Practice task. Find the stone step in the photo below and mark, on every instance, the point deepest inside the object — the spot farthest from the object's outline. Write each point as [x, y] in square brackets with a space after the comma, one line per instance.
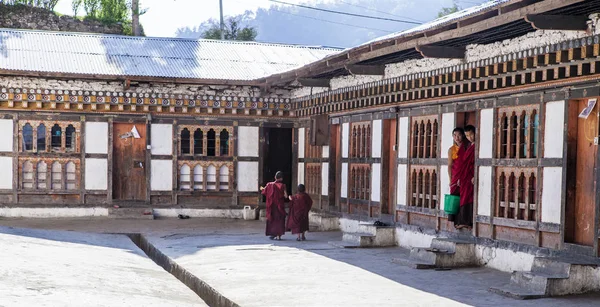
[131, 213]
[430, 256]
[451, 244]
[516, 292]
[537, 282]
[344, 244]
[548, 265]
[360, 239]
[413, 264]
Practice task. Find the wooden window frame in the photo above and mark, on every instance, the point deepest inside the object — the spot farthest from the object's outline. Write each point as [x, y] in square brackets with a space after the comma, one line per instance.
[205, 129]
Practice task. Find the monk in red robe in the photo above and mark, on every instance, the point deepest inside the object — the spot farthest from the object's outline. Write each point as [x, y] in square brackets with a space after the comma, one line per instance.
[276, 194]
[455, 165]
[299, 208]
[464, 218]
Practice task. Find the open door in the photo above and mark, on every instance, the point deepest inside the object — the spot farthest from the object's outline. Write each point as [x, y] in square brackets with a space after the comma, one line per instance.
[278, 156]
[129, 162]
[581, 166]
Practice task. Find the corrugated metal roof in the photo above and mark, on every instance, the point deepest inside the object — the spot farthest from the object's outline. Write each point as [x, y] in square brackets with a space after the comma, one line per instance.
[98, 54]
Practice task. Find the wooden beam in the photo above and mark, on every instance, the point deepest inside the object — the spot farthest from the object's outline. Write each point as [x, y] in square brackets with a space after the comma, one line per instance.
[378, 70]
[442, 52]
[558, 22]
[314, 82]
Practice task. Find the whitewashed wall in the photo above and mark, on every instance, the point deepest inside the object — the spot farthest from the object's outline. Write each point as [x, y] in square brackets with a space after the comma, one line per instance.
[300, 173]
[248, 141]
[484, 190]
[301, 142]
[6, 137]
[403, 135]
[486, 134]
[247, 176]
[554, 133]
[551, 195]
[161, 138]
[344, 186]
[96, 141]
[444, 184]
[325, 178]
[401, 188]
[6, 178]
[345, 139]
[376, 138]
[96, 174]
[325, 152]
[161, 175]
[376, 182]
[448, 122]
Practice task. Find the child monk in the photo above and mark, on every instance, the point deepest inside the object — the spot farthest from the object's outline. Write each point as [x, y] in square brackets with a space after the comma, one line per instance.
[276, 194]
[299, 208]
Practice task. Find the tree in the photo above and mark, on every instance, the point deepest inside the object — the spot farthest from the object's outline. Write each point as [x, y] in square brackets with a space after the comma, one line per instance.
[46, 4]
[236, 28]
[449, 10]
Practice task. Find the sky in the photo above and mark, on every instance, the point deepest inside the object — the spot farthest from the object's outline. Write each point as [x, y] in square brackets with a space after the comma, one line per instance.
[164, 17]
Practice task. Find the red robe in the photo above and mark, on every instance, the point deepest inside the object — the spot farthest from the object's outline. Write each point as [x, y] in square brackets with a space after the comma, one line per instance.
[299, 208]
[274, 191]
[466, 175]
[457, 166]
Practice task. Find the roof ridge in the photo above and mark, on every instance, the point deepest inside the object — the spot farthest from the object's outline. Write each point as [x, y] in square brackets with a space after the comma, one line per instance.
[166, 39]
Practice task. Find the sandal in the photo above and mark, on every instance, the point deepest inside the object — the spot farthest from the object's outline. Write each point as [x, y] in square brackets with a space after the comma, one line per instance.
[298, 239]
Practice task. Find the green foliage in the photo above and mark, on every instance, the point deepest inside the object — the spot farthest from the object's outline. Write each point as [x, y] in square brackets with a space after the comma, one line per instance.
[235, 29]
[107, 11]
[449, 10]
[46, 4]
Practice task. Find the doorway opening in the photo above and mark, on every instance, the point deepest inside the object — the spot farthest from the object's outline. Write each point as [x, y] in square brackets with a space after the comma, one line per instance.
[278, 155]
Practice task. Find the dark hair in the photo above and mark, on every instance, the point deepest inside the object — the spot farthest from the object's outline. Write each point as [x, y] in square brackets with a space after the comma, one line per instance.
[279, 175]
[301, 188]
[459, 130]
[470, 128]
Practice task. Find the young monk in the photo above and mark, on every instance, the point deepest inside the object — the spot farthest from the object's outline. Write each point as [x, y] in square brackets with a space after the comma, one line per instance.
[464, 218]
[299, 207]
[276, 194]
[455, 163]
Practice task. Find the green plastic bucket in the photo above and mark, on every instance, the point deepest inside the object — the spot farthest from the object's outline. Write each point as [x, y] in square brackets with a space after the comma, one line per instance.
[451, 203]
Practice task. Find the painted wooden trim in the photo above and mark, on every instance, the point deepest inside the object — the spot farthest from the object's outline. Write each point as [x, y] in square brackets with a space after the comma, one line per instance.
[110, 166]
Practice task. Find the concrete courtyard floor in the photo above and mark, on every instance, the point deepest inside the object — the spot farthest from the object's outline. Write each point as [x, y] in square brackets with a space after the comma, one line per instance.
[233, 257]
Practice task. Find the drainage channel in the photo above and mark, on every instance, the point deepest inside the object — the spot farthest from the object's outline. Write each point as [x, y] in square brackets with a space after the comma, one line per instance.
[207, 293]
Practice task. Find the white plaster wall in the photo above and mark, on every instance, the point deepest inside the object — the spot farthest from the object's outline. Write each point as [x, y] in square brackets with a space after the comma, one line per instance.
[409, 239]
[417, 66]
[345, 139]
[344, 186]
[403, 135]
[161, 138]
[486, 134]
[503, 259]
[96, 174]
[376, 182]
[447, 127]
[551, 195]
[306, 91]
[345, 81]
[206, 213]
[300, 173]
[247, 176]
[484, 190]
[401, 187]
[96, 140]
[6, 137]
[6, 167]
[161, 175]
[444, 184]
[376, 139]
[325, 179]
[301, 142]
[553, 135]
[325, 153]
[52, 212]
[248, 141]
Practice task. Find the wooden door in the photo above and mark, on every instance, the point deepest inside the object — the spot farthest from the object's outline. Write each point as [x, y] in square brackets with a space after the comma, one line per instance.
[334, 185]
[388, 186]
[129, 162]
[582, 212]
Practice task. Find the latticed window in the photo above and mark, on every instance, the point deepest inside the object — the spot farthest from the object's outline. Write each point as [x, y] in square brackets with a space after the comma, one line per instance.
[56, 179]
[42, 175]
[27, 180]
[41, 137]
[184, 177]
[211, 178]
[518, 133]
[516, 195]
[360, 140]
[224, 178]
[27, 137]
[48, 174]
[424, 137]
[205, 140]
[47, 136]
[198, 142]
[185, 142]
[56, 137]
[70, 138]
[71, 171]
[198, 178]
[360, 181]
[423, 187]
[224, 142]
[312, 178]
[311, 151]
[211, 143]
